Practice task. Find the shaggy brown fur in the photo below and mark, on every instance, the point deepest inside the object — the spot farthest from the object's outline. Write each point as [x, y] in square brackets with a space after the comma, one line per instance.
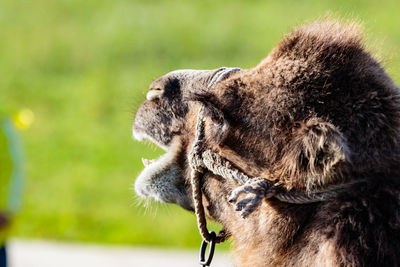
[318, 111]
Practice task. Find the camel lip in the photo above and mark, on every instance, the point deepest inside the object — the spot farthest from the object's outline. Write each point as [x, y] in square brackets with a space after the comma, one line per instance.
[141, 135]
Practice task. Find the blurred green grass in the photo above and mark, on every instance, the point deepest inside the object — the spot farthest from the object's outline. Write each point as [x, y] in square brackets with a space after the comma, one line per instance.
[83, 67]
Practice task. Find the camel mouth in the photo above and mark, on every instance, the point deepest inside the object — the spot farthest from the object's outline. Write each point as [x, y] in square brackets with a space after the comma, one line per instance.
[162, 179]
[157, 163]
[150, 181]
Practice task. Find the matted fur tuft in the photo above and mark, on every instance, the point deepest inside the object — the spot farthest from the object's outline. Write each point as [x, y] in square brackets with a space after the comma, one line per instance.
[312, 156]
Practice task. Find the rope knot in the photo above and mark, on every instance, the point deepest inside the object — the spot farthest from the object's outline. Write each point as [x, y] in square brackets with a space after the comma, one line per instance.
[255, 190]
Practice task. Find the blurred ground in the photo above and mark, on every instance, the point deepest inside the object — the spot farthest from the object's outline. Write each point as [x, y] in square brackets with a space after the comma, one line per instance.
[49, 254]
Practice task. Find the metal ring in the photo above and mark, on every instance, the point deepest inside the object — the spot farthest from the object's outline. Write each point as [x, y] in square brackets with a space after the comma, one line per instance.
[203, 247]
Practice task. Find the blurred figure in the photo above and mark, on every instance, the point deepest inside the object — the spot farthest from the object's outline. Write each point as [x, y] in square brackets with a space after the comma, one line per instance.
[11, 175]
[3, 256]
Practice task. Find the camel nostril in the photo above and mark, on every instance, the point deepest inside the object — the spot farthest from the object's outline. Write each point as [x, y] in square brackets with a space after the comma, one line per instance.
[154, 93]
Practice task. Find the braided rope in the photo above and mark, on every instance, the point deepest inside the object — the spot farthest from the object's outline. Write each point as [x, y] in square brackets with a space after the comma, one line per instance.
[219, 166]
[222, 167]
[195, 179]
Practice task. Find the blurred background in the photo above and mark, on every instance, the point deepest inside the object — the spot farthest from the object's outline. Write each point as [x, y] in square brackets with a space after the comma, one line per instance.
[81, 68]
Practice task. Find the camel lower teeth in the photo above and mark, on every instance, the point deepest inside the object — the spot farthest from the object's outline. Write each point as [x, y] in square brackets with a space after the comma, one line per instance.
[147, 162]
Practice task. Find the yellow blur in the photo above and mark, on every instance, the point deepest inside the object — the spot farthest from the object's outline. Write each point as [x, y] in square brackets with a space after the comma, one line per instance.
[24, 119]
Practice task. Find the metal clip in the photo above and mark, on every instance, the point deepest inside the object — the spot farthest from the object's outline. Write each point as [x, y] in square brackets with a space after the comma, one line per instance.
[203, 247]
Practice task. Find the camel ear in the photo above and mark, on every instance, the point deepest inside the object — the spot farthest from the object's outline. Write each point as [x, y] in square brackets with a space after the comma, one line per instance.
[312, 155]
